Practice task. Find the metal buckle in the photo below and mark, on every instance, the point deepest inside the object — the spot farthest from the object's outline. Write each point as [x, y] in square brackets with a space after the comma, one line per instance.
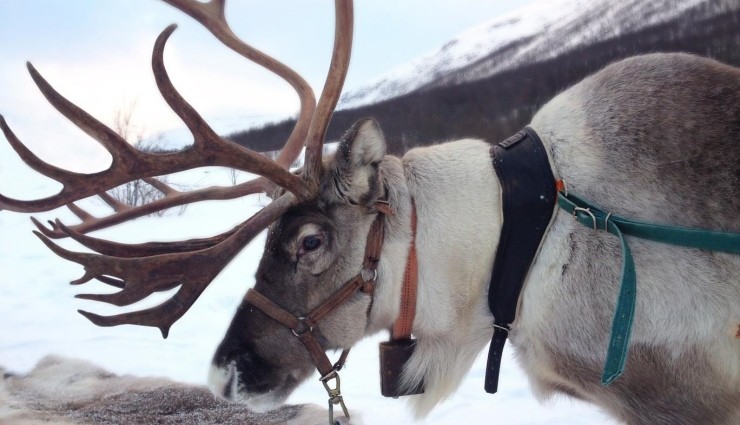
[587, 211]
[384, 207]
[335, 395]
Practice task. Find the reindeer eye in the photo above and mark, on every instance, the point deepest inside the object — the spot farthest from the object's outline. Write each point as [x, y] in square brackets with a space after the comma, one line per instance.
[311, 242]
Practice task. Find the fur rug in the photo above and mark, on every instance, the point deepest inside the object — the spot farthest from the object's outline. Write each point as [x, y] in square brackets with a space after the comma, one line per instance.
[64, 391]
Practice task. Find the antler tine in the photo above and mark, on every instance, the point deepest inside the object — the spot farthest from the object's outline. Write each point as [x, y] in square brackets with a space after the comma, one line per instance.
[332, 90]
[91, 223]
[67, 178]
[140, 277]
[212, 16]
[161, 186]
[108, 199]
[33, 161]
[115, 249]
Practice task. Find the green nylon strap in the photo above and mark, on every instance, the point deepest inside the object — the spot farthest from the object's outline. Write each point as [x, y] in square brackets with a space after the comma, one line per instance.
[592, 216]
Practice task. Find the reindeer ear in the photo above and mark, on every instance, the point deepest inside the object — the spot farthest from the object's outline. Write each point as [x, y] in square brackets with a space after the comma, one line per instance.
[353, 173]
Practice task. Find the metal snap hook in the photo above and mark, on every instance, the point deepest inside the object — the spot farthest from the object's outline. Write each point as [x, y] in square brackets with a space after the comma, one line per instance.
[335, 395]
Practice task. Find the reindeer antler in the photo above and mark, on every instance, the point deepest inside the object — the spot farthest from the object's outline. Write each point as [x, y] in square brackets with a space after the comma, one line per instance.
[129, 163]
[142, 269]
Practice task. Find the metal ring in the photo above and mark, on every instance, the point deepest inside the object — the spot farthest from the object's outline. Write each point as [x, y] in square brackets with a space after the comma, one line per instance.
[499, 327]
[302, 320]
[374, 271]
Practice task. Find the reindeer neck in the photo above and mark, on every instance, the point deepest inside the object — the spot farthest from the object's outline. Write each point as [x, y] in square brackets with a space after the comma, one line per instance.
[395, 247]
[457, 198]
[456, 194]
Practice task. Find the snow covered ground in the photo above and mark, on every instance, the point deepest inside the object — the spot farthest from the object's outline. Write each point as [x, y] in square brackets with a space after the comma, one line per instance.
[37, 317]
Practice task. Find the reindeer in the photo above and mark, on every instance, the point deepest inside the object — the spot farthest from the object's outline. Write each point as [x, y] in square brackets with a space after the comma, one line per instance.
[653, 138]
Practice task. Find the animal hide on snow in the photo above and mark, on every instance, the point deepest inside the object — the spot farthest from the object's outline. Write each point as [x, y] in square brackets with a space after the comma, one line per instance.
[66, 391]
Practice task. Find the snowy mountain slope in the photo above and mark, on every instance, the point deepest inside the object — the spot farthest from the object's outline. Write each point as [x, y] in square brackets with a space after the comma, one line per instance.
[538, 31]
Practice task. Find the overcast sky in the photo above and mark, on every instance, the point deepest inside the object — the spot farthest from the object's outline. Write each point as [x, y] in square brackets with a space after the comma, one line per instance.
[97, 52]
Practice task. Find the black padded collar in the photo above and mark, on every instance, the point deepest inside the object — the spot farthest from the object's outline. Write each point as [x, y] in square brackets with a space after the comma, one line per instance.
[528, 201]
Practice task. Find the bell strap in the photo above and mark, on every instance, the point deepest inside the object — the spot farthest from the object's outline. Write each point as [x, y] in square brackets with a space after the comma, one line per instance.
[403, 325]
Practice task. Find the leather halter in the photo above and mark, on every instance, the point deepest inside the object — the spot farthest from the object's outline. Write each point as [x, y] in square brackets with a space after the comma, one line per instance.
[305, 327]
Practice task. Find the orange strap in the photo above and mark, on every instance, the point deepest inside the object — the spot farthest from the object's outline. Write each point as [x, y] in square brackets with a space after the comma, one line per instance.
[404, 322]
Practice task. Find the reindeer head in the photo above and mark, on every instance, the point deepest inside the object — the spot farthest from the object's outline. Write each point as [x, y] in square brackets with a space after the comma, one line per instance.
[315, 244]
[313, 251]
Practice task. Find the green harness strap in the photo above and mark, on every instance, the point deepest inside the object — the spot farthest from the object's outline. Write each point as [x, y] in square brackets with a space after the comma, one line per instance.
[591, 216]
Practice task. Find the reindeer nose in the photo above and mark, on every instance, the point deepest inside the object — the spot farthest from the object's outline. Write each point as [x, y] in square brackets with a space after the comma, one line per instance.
[222, 380]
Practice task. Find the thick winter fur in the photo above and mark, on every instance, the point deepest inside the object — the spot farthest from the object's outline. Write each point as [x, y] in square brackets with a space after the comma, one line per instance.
[73, 392]
[654, 138]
